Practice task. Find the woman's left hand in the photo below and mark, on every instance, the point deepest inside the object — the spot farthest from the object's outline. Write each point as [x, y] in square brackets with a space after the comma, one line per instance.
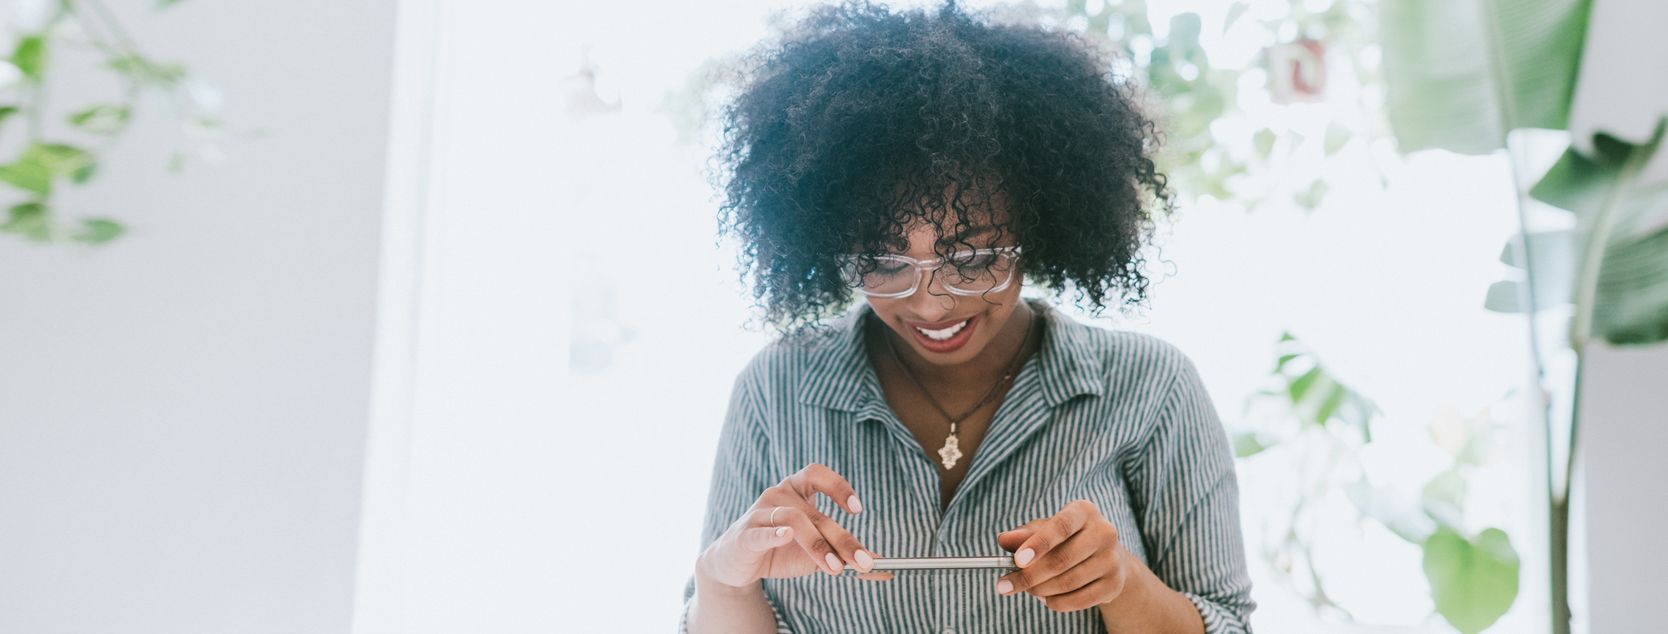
[1071, 561]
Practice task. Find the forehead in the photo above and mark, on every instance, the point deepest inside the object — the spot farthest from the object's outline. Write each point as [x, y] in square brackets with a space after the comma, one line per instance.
[979, 208]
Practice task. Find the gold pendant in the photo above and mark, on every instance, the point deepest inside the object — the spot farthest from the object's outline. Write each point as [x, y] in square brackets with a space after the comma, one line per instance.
[951, 452]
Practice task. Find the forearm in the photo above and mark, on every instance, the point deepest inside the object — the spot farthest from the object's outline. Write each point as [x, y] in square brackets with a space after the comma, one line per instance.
[724, 608]
[1148, 605]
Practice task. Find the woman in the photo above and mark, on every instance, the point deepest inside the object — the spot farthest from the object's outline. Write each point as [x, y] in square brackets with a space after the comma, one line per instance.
[931, 163]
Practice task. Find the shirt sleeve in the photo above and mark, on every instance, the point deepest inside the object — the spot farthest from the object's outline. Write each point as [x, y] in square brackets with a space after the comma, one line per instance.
[1186, 501]
[739, 474]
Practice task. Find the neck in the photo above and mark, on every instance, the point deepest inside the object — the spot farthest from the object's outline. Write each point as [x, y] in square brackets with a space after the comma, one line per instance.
[990, 363]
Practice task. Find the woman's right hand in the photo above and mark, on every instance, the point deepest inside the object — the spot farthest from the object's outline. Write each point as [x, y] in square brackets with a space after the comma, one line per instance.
[800, 541]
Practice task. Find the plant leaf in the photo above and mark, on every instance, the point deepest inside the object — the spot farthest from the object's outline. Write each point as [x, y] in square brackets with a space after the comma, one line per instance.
[1263, 142]
[1336, 137]
[28, 175]
[30, 56]
[145, 71]
[1616, 263]
[97, 231]
[102, 119]
[1460, 74]
[1311, 198]
[29, 220]
[1631, 302]
[1235, 11]
[42, 163]
[1553, 255]
[1247, 444]
[1473, 581]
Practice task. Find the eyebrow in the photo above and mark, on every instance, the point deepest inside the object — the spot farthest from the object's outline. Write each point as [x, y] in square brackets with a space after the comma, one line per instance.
[978, 231]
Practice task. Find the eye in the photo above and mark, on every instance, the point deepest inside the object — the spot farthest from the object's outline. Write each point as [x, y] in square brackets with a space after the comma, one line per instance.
[882, 265]
[972, 259]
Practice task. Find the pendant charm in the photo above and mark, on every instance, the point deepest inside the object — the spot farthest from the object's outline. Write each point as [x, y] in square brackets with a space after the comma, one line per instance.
[951, 452]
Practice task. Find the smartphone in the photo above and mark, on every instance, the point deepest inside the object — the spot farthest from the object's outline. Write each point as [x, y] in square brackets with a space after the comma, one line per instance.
[1005, 562]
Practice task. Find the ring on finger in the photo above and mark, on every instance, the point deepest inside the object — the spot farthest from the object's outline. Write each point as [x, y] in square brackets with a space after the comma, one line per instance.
[773, 515]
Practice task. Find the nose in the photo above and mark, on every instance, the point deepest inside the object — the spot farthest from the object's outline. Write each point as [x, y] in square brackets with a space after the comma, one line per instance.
[932, 303]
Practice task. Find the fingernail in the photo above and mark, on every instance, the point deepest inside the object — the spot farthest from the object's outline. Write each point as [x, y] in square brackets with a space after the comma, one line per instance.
[1004, 587]
[781, 531]
[864, 561]
[856, 507]
[1024, 557]
[834, 562]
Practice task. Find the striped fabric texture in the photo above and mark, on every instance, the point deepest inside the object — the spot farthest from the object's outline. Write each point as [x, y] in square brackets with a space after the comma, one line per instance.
[1121, 419]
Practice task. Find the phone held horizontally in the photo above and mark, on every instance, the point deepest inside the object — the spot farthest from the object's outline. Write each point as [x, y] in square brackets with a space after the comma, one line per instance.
[939, 563]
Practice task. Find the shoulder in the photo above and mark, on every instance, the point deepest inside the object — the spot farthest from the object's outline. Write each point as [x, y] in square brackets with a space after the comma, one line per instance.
[780, 366]
[1126, 360]
[781, 360]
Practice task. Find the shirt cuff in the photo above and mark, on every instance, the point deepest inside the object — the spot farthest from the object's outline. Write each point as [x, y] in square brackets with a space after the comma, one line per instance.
[1219, 619]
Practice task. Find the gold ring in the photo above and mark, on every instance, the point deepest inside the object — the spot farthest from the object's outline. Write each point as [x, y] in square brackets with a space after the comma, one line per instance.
[773, 515]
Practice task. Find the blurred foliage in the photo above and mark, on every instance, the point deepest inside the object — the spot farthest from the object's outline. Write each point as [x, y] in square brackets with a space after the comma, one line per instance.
[1211, 144]
[1612, 263]
[1462, 76]
[1323, 425]
[61, 147]
[1473, 580]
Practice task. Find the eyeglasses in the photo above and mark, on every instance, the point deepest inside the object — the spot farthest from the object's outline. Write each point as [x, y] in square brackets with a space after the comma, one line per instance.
[972, 272]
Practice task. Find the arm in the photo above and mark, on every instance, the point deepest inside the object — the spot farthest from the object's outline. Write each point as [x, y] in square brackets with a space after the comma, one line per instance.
[1186, 501]
[744, 541]
[1148, 605]
[739, 475]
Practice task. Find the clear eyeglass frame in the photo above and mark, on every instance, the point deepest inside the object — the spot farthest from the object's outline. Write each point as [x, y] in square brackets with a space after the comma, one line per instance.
[922, 268]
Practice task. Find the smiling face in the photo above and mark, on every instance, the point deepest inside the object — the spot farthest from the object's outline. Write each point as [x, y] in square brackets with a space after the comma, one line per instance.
[945, 329]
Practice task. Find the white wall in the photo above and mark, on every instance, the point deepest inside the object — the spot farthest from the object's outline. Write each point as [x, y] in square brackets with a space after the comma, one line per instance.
[1624, 429]
[182, 413]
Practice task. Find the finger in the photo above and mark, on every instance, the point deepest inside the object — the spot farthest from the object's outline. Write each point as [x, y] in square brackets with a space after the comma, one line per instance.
[825, 540]
[845, 546]
[1080, 548]
[763, 538]
[816, 478]
[1010, 540]
[810, 540]
[1099, 564]
[1101, 591]
[876, 576]
[1054, 531]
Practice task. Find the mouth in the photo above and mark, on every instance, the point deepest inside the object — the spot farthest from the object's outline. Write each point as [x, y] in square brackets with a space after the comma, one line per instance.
[944, 336]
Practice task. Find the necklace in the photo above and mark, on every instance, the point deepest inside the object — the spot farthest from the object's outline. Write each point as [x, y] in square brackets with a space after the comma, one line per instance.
[951, 451]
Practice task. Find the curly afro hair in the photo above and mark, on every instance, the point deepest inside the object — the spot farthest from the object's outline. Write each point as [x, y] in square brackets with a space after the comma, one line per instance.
[860, 121]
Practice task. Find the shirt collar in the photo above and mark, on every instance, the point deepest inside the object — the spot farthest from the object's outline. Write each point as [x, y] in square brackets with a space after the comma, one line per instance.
[840, 376]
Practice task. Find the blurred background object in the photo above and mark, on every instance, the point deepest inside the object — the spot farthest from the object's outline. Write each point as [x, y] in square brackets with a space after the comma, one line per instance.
[414, 361]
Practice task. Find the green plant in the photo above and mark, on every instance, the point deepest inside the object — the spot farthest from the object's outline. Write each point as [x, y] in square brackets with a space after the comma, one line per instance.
[1213, 143]
[1462, 76]
[63, 146]
[1324, 425]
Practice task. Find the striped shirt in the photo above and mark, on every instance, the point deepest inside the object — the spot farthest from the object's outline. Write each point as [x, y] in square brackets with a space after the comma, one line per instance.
[1119, 418]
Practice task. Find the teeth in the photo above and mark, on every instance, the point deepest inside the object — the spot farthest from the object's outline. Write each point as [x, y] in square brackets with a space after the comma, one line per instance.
[941, 335]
